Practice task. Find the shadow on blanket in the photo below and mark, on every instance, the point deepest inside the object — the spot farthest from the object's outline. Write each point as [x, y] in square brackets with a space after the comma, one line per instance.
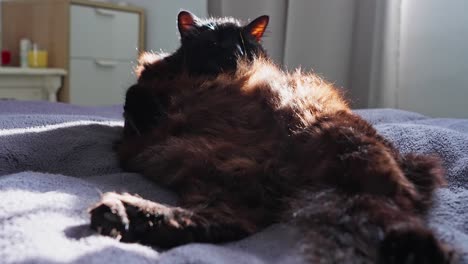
[80, 150]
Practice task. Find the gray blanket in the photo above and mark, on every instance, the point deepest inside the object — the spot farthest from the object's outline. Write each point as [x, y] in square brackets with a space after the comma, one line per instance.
[56, 159]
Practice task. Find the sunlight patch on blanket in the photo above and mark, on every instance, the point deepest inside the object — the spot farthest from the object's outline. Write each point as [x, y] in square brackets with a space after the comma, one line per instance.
[39, 129]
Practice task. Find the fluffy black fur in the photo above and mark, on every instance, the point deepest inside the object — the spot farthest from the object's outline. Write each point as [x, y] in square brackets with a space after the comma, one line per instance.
[245, 145]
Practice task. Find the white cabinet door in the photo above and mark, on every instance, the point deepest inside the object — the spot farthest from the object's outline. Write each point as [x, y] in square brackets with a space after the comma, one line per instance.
[103, 33]
[99, 81]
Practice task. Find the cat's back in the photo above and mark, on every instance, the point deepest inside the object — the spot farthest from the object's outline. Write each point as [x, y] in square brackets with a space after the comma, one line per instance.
[256, 94]
[255, 111]
[297, 98]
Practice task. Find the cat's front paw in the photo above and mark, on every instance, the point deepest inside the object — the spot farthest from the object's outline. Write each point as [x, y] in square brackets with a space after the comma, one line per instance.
[110, 217]
[409, 244]
[130, 218]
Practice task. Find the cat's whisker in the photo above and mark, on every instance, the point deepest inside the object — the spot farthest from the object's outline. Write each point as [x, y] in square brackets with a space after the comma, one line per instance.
[243, 44]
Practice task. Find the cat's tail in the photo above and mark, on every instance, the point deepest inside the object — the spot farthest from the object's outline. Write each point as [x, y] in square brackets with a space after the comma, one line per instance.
[426, 173]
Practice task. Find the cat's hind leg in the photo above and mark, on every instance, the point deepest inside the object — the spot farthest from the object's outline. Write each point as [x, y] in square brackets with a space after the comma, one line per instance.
[413, 243]
[353, 159]
[339, 227]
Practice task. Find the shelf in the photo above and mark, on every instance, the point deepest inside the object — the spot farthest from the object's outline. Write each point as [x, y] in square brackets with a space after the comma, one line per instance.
[32, 71]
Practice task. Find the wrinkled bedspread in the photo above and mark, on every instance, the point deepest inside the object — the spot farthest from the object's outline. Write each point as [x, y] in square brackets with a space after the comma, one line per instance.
[56, 159]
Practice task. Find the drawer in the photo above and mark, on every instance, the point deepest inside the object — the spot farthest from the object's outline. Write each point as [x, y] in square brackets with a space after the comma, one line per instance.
[99, 82]
[103, 33]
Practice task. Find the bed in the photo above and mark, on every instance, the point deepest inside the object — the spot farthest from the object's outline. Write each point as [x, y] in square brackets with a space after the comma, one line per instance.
[56, 159]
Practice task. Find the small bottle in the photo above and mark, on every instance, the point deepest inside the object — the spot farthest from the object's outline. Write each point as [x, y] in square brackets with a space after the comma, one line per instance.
[6, 58]
[37, 58]
[25, 46]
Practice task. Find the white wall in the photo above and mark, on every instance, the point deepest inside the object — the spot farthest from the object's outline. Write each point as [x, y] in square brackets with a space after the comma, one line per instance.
[161, 20]
[319, 37]
[433, 72]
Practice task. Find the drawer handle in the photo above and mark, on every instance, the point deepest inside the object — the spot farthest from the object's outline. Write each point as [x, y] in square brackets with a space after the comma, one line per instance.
[104, 12]
[105, 63]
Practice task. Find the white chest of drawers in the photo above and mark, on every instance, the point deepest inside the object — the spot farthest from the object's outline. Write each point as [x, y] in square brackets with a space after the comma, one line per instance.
[96, 43]
[103, 46]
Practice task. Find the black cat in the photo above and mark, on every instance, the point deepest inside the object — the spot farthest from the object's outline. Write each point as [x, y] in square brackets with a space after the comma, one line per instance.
[245, 145]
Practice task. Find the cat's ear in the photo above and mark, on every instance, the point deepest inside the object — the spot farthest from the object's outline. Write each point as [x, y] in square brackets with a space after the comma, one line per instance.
[257, 27]
[186, 22]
